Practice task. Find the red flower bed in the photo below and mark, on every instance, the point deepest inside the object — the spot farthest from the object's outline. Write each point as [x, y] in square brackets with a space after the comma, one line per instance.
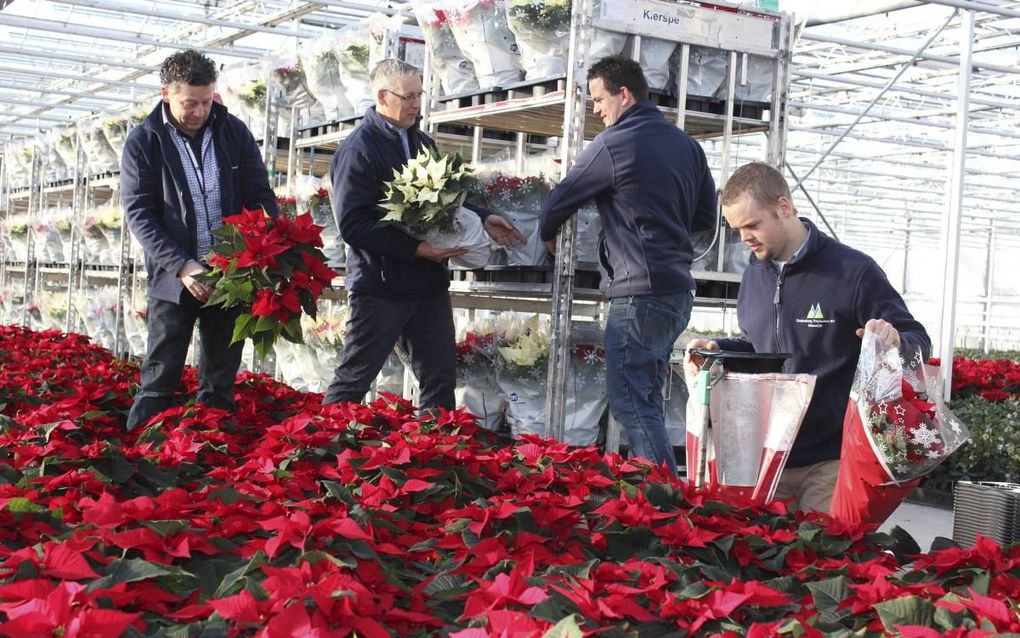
[991, 379]
[289, 519]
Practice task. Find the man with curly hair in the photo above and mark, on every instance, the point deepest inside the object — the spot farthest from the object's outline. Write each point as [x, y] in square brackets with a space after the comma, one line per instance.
[188, 165]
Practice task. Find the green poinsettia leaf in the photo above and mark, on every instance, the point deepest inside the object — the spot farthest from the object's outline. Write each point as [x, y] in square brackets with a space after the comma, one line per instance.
[132, 570]
[241, 328]
[828, 594]
[449, 586]
[292, 331]
[262, 324]
[231, 582]
[566, 628]
[307, 303]
[22, 505]
[906, 610]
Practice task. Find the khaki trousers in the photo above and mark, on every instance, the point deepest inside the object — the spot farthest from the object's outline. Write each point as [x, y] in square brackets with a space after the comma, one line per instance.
[810, 486]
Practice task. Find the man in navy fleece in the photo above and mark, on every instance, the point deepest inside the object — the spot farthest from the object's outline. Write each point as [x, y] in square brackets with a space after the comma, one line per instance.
[806, 294]
[653, 188]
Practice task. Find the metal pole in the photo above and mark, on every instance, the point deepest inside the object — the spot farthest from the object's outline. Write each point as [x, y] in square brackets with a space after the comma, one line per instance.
[574, 113]
[811, 200]
[727, 142]
[430, 90]
[952, 224]
[989, 285]
[878, 97]
[681, 85]
[778, 121]
[31, 280]
[906, 253]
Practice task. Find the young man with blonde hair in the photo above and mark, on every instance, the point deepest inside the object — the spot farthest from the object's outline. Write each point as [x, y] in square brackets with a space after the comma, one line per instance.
[806, 294]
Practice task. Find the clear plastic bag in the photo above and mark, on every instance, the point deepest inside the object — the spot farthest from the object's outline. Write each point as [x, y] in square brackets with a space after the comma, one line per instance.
[244, 93]
[321, 63]
[65, 143]
[97, 309]
[99, 154]
[353, 52]
[16, 228]
[48, 246]
[897, 429]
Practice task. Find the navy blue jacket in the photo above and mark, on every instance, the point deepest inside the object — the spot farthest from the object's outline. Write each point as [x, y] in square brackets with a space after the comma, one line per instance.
[812, 311]
[380, 259]
[653, 188]
[158, 204]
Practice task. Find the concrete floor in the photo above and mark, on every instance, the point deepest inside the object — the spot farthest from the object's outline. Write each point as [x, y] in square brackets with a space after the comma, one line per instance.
[923, 522]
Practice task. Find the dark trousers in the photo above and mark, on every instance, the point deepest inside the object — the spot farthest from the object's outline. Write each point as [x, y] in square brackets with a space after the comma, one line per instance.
[424, 328]
[170, 328]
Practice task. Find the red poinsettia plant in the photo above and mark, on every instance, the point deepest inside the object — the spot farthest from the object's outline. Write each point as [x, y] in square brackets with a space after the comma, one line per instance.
[369, 520]
[271, 267]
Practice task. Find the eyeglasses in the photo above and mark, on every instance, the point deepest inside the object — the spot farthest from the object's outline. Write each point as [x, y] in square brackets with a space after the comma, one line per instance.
[407, 98]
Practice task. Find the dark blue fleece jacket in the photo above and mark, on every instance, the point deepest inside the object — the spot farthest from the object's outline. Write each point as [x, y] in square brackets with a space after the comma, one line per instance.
[812, 310]
[158, 205]
[653, 188]
[380, 259]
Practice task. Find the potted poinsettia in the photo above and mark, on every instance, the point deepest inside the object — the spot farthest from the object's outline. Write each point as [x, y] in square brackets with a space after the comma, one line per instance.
[519, 199]
[521, 372]
[425, 198]
[542, 29]
[321, 64]
[100, 155]
[352, 54]
[273, 269]
[477, 389]
[17, 237]
[455, 71]
[481, 31]
[117, 127]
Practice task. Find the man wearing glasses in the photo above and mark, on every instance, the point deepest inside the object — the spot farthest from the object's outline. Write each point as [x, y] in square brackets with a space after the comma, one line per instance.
[397, 285]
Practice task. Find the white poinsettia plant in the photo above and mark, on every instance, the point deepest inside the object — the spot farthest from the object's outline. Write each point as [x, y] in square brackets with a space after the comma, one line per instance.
[530, 349]
[426, 194]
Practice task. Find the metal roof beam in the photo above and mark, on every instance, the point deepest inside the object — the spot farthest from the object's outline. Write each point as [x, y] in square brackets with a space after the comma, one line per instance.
[150, 11]
[886, 117]
[79, 77]
[984, 7]
[69, 57]
[340, 4]
[36, 104]
[907, 53]
[860, 82]
[111, 98]
[942, 148]
[118, 36]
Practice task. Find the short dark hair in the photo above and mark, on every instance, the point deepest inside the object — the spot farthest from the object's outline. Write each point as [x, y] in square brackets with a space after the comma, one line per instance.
[188, 67]
[763, 182]
[617, 72]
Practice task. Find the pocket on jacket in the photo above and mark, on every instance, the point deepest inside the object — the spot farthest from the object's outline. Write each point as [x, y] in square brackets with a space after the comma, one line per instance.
[604, 258]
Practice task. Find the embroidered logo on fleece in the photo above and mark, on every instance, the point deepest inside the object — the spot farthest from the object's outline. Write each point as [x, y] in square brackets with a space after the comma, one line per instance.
[815, 318]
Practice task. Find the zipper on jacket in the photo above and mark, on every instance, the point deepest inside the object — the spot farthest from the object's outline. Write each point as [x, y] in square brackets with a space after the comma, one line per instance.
[776, 301]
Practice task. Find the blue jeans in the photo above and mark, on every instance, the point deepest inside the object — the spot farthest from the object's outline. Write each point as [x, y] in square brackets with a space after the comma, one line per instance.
[640, 333]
